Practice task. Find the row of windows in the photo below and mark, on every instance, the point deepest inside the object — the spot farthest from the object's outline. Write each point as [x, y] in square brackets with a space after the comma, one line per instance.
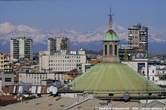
[143, 32]
[62, 68]
[39, 78]
[35, 77]
[133, 32]
[8, 79]
[36, 82]
[162, 77]
[67, 57]
[63, 61]
[162, 72]
[67, 64]
[138, 32]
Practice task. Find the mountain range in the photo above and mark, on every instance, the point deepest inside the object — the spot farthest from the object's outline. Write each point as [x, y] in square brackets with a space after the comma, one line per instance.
[90, 40]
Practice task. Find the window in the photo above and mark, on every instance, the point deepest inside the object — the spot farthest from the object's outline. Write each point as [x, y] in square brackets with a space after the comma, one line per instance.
[153, 71]
[115, 49]
[8, 79]
[110, 49]
[105, 49]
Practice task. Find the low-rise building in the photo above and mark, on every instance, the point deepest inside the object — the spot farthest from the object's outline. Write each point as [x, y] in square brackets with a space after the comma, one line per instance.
[43, 61]
[62, 62]
[6, 71]
[1, 61]
[152, 73]
[31, 78]
[126, 53]
[157, 74]
[34, 78]
[29, 75]
[161, 73]
[7, 64]
[6, 78]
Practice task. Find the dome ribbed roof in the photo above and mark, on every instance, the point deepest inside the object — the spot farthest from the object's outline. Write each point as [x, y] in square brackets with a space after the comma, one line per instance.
[113, 78]
[111, 36]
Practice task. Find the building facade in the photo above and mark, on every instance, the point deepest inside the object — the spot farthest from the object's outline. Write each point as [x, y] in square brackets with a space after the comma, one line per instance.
[58, 44]
[5, 64]
[37, 78]
[138, 40]
[1, 61]
[51, 45]
[6, 71]
[157, 74]
[44, 61]
[62, 62]
[62, 43]
[31, 78]
[6, 78]
[20, 47]
[125, 53]
[28, 76]
[66, 62]
[161, 74]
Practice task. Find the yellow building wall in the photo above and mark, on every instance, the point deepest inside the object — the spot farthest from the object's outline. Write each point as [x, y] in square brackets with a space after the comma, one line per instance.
[1, 61]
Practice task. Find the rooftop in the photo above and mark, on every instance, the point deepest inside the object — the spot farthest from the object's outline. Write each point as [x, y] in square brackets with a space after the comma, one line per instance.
[56, 103]
[113, 78]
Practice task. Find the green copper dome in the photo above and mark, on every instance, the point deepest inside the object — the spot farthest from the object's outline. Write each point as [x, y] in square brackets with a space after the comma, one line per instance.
[111, 36]
[113, 78]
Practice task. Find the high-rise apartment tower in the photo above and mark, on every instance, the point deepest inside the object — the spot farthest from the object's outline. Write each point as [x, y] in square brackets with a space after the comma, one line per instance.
[138, 40]
[20, 47]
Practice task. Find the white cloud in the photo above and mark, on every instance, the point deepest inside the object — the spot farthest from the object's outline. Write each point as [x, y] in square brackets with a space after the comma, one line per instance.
[8, 30]
[24, 28]
[95, 35]
[158, 38]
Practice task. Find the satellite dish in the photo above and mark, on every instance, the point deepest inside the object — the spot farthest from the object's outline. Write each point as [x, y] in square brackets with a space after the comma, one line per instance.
[53, 90]
[50, 89]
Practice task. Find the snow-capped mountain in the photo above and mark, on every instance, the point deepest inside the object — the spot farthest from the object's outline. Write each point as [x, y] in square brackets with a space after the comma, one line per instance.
[89, 40]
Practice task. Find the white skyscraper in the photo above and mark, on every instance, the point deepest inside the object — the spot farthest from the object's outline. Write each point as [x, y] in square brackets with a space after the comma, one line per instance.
[20, 47]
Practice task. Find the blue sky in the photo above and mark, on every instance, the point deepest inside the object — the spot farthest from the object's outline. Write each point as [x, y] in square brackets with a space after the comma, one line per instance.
[83, 14]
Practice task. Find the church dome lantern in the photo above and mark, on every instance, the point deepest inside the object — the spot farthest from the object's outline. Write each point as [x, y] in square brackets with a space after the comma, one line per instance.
[110, 44]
